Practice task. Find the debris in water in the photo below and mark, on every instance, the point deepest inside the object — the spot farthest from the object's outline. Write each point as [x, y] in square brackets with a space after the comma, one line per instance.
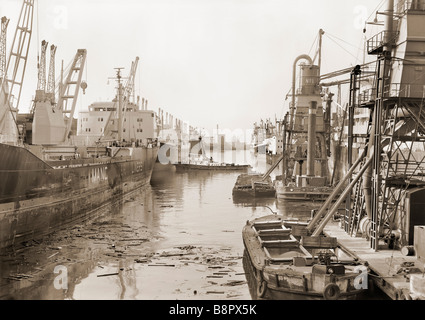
[52, 255]
[234, 283]
[141, 260]
[108, 274]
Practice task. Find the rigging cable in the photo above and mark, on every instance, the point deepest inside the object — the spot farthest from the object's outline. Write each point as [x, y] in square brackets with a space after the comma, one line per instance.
[357, 59]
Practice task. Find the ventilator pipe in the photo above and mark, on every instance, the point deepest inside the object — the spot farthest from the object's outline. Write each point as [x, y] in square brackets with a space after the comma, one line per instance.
[367, 178]
[311, 138]
[389, 24]
[294, 71]
[324, 167]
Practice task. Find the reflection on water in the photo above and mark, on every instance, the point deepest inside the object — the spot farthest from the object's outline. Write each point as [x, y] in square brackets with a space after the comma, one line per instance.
[180, 238]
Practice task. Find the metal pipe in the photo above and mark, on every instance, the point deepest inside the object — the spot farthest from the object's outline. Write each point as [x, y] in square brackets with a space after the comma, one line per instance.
[292, 108]
[367, 179]
[389, 24]
[120, 112]
[311, 138]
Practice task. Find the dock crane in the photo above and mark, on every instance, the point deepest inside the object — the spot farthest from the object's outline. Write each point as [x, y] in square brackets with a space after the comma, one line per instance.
[14, 73]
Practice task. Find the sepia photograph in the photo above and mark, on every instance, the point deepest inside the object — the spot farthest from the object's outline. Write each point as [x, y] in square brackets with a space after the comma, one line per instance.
[214, 155]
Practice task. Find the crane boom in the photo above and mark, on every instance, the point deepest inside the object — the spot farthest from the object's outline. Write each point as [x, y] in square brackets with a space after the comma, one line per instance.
[19, 52]
[69, 89]
[41, 84]
[3, 34]
[128, 91]
[14, 73]
[51, 80]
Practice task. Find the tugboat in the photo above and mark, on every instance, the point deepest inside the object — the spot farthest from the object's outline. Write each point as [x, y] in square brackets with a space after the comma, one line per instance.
[198, 160]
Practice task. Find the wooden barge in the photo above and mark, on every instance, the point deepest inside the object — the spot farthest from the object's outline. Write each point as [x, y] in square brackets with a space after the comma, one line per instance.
[253, 185]
[287, 266]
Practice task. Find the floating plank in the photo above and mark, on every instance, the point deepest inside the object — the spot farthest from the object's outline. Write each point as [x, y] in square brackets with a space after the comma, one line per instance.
[108, 274]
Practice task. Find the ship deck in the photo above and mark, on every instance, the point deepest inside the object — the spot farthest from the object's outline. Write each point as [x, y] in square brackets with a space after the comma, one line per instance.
[386, 265]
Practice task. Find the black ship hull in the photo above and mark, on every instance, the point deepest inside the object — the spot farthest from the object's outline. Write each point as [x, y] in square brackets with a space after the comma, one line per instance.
[39, 197]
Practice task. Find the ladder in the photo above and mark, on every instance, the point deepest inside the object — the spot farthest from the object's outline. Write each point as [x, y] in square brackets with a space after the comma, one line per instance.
[359, 198]
[358, 209]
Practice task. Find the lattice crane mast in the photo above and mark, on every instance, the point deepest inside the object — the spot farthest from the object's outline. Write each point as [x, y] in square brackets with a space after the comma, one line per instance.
[41, 84]
[15, 72]
[3, 34]
[128, 91]
[51, 79]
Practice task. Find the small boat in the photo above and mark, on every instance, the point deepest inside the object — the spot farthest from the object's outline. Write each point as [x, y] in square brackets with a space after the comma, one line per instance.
[254, 185]
[200, 161]
[282, 264]
[210, 165]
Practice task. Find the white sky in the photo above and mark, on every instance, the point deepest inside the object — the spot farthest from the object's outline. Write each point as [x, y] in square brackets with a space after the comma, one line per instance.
[207, 62]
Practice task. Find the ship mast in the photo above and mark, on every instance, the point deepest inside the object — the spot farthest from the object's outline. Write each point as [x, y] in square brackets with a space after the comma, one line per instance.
[120, 111]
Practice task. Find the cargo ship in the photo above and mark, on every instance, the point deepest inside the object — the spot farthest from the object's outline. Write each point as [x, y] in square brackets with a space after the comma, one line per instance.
[53, 178]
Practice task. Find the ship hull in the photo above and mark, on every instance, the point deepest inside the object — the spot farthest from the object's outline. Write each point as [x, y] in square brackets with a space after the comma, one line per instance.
[38, 198]
[227, 167]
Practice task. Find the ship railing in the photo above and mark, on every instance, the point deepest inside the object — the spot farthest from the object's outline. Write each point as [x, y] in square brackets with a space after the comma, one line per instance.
[378, 41]
[367, 96]
[402, 7]
[394, 90]
[403, 90]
